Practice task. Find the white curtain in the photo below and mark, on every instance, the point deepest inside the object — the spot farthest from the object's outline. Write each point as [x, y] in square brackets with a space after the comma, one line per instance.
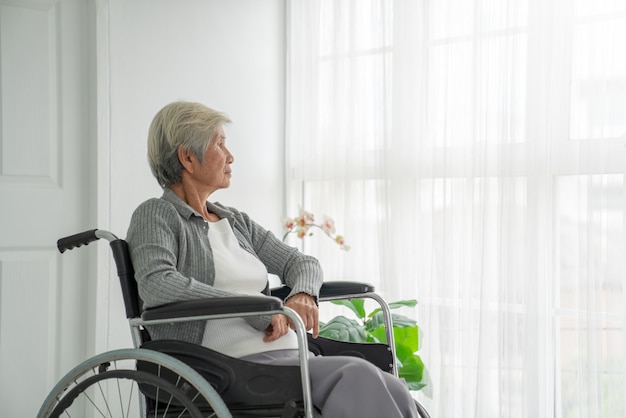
[473, 154]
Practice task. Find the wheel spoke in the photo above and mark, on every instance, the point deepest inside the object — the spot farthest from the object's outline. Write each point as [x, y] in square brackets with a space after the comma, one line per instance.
[104, 399]
[130, 397]
[92, 402]
[119, 394]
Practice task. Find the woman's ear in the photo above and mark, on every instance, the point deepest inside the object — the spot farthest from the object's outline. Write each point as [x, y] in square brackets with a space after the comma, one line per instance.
[185, 157]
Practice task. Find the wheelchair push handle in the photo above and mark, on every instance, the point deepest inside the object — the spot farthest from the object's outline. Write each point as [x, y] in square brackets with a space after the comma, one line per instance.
[83, 238]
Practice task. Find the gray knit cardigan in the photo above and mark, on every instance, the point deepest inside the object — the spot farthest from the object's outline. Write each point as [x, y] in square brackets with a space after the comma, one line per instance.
[173, 261]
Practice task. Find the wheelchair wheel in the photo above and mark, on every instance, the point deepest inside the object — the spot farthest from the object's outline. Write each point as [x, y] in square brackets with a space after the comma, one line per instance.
[110, 385]
[421, 411]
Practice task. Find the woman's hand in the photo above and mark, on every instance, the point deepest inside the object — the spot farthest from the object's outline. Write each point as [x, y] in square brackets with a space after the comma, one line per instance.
[278, 328]
[306, 307]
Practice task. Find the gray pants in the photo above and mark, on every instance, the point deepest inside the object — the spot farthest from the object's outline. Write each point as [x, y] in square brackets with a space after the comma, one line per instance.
[349, 387]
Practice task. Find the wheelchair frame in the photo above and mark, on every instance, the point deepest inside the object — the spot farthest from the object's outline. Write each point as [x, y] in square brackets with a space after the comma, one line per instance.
[198, 310]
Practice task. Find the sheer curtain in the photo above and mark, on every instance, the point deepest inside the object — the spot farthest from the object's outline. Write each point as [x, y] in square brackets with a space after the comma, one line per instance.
[473, 154]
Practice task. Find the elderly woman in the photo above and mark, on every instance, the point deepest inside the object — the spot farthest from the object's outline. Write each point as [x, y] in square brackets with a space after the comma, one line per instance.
[185, 247]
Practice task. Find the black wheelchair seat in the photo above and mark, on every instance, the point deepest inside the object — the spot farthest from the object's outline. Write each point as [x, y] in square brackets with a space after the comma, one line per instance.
[238, 382]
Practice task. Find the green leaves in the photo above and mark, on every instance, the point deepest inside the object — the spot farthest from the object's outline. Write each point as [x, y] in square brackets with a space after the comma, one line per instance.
[394, 305]
[355, 305]
[371, 328]
[343, 329]
[412, 371]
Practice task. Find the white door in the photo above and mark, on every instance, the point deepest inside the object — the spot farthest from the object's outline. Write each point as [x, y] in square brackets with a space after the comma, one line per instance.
[46, 168]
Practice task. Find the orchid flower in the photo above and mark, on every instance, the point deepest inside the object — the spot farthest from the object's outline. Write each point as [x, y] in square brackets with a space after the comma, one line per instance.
[301, 225]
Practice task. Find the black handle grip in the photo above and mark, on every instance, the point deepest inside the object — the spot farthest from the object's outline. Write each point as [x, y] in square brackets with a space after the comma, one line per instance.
[76, 240]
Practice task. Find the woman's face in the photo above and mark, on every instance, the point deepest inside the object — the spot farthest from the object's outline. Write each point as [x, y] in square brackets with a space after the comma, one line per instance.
[215, 172]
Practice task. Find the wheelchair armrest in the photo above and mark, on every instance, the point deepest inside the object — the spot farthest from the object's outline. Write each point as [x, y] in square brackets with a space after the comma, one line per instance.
[213, 306]
[331, 289]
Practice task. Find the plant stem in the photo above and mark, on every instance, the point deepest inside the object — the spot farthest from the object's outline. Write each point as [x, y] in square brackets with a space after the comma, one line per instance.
[315, 225]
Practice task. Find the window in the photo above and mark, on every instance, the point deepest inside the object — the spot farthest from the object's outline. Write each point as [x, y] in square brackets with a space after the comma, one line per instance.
[473, 153]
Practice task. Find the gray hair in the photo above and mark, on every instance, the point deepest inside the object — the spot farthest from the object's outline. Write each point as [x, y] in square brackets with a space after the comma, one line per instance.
[180, 124]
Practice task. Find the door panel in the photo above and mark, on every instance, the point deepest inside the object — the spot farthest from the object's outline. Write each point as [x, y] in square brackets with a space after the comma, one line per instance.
[44, 193]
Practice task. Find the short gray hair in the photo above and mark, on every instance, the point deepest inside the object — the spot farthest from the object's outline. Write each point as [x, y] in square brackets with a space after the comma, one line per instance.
[187, 124]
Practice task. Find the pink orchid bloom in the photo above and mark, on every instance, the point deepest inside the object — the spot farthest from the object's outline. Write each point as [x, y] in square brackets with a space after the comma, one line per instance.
[307, 217]
[328, 225]
[301, 221]
[288, 223]
[342, 244]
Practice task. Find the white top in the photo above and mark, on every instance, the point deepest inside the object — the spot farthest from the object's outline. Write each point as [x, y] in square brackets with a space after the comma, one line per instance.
[238, 270]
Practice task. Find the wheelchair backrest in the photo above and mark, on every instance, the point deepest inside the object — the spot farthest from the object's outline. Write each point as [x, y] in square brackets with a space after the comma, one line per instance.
[126, 274]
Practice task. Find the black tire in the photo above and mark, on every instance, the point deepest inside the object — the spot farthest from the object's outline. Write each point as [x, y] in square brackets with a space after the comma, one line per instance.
[109, 406]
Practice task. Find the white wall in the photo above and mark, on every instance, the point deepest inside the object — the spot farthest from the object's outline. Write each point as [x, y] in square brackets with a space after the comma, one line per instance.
[228, 54]
[224, 53]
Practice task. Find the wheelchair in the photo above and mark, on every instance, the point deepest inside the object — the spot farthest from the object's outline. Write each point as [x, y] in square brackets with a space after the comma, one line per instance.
[168, 378]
